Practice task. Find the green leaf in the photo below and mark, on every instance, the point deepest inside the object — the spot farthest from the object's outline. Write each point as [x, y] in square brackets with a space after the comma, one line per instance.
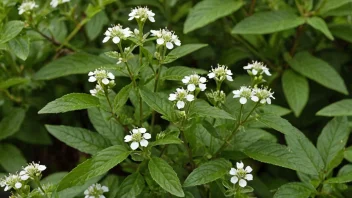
[181, 51]
[165, 176]
[11, 158]
[340, 11]
[20, 47]
[340, 108]
[12, 82]
[177, 73]
[79, 63]
[345, 178]
[122, 97]
[275, 109]
[168, 139]
[267, 22]
[81, 139]
[319, 71]
[208, 172]
[332, 4]
[319, 24]
[204, 109]
[208, 11]
[348, 154]
[95, 25]
[11, 123]
[99, 164]
[342, 31]
[294, 190]
[132, 186]
[296, 90]
[332, 139]
[70, 102]
[11, 30]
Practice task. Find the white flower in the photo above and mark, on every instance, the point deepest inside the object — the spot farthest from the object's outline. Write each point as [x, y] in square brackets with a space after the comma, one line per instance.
[103, 79]
[141, 14]
[257, 68]
[220, 73]
[26, 7]
[11, 181]
[243, 93]
[241, 174]
[32, 170]
[117, 33]
[193, 81]
[96, 191]
[263, 95]
[166, 37]
[98, 89]
[138, 137]
[181, 96]
[55, 3]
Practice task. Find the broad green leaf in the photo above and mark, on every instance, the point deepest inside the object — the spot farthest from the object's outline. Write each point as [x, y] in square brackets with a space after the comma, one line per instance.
[332, 139]
[279, 155]
[345, 178]
[331, 4]
[53, 178]
[319, 71]
[122, 97]
[11, 158]
[348, 154]
[106, 125]
[294, 190]
[70, 102]
[245, 138]
[208, 172]
[11, 123]
[165, 176]
[208, 11]
[177, 73]
[267, 22]
[75, 191]
[33, 132]
[81, 139]
[92, 10]
[342, 31]
[296, 90]
[319, 24]
[20, 47]
[95, 25]
[79, 63]
[99, 164]
[113, 182]
[11, 30]
[181, 51]
[168, 139]
[340, 11]
[12, 82]
[132, 186]
[340, 108]
[275, 109]
[204, 109]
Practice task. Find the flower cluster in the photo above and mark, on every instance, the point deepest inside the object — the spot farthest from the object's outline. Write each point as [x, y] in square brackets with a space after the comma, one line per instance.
[55, 3]
[257, 68]
[26, 6]
[193, 81]
[11, 181]
[181, 96]
[104, 79]
[117, 33]
[96, 191]
[244, 93]
[220, 73]
[241, 175]
[166, 37]
[32, 171]
[139, 137]
[141, 14]
[263, 95]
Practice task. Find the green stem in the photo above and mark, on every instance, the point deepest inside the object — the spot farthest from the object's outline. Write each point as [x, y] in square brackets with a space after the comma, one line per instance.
[73, 33]
[40, 187]
[190, 156]
[111, 107]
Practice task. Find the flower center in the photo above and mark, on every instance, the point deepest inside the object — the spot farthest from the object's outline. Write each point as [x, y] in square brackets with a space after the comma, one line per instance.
[137, 137]
[241, 173]
[194, 79]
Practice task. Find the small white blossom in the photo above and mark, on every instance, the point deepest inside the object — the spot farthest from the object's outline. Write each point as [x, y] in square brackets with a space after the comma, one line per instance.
[181, 96]
[32, 171]
[117, 33]
[243, 93]
[257, 68]
[142, 14]
[138, 137]
[26, 6]
[193, 81]
[240, 175]
[55, 3]
[11, 181]
[96, 191]
[263, 95]
[166, 37]
[220, 73]
[98, 89]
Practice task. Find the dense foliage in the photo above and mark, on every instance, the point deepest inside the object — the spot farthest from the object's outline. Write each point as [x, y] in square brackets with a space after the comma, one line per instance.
[211, 98]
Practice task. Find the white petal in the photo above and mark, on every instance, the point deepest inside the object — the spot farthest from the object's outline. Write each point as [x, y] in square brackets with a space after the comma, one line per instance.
[190, 97]
[248, 67]
[180, 104]
[172, 97]
[18, 185]
[101, 196]
[142, 130]
[249, 177]
[160, 41]
[242, 183]
[202, 80]
[92, 79]
[191, 87]
[234, 180]
[128, 138]
[229, 78]
[144, 143]
[111, 76]
[86, 192]
[23, 173]
[233, 171]
[169, 45]
[42, 167]
[151, 19]
[134, 145]
[239, 165]
[263, 101]
[105, 81]
[177, 42]
[255, 98]
[24, 177]
[243, 100]
[248, 169]
[7, 188]
[268, 100]
[147, 136]
[211, 75]
[236, 92]
[106, 39]
[116, 40]
[105, 189]
[186, 79]
[130, 18]
[90, 73]
[135, 131]
[254, 72]
[266, 71]
[202, 87]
